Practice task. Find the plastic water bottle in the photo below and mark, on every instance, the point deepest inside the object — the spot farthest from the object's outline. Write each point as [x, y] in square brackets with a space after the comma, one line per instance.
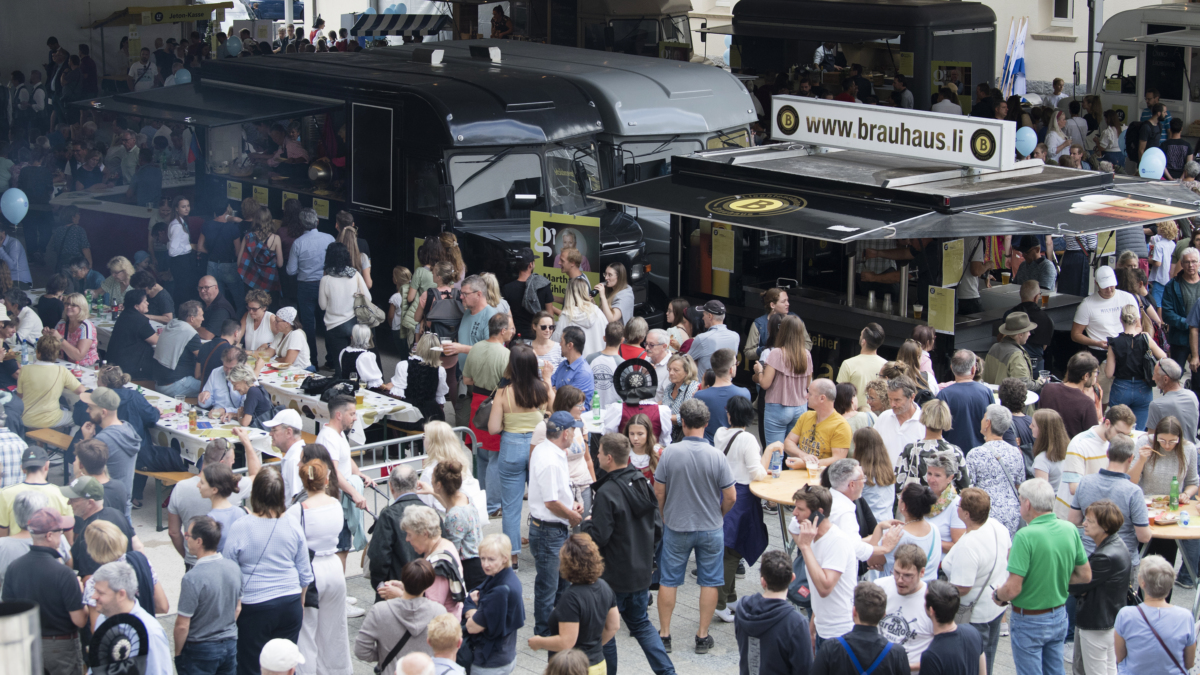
[596, 408]
[776, 464]
[1185, 519]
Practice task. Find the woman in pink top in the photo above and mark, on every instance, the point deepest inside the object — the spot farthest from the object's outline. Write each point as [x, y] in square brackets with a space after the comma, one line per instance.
[77, 331]
[423, 530]
[784, 376]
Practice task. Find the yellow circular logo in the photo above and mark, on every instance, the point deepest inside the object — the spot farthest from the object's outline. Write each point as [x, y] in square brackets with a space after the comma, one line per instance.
[787, 120]
[983, 145]
[743, 206]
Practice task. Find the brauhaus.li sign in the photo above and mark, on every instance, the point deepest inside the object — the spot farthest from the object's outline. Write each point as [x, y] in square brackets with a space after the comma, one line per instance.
[954, 139]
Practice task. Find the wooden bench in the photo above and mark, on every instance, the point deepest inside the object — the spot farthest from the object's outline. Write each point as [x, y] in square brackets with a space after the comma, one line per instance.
[163, 479]
[53, 440]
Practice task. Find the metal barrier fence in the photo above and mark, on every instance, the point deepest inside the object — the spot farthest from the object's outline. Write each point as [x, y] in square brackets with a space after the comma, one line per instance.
[380, 460]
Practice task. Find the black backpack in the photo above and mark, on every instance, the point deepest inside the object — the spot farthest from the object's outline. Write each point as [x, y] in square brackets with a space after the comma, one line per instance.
[443, 313]
[1133, 133]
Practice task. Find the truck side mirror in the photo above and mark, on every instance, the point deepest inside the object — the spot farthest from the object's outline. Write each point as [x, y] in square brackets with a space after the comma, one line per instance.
[445, 202]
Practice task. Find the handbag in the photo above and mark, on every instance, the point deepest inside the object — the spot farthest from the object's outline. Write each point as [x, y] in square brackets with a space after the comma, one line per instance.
[1160, 641]
[483, 413]
[964, 609]
[1147, 362]
[310, 598]
[382, 665]
[367, 312]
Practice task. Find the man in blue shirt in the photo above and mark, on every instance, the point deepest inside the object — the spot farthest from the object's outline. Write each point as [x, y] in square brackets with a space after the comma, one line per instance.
[717, 396]
[574, 370]
[307, 263]
[13, 253]
[715, 336]
[472, 329]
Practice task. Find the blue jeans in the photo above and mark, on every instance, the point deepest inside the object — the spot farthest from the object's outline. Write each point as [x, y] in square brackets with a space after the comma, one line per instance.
[632, 607]
[1134, 393]
[208, 658]
[229, 282]
[488, 467]
[545, 541]
[778, 420]
[513, 472]
[1156, 292]
[1037, 642]
[306, 307]
[709, 546]
[185, 387]
[990, 632]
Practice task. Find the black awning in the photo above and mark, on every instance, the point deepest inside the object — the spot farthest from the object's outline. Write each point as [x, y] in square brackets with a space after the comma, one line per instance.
[410, 25]
[839, 218]
[789, 31]
[209, 104]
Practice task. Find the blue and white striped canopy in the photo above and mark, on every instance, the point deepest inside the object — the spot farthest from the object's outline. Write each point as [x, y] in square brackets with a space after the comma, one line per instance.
[414, 25]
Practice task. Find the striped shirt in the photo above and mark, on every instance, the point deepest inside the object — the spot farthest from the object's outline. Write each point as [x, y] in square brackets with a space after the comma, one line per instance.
[1086, 455]
[1072, 242]
[273, 555]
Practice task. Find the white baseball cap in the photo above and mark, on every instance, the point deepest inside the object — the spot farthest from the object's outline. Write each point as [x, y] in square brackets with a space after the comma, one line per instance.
[280, 655]
[289, 417]
[1105, 277]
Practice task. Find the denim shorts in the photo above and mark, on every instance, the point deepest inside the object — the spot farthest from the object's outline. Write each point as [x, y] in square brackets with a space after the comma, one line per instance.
[677, 548]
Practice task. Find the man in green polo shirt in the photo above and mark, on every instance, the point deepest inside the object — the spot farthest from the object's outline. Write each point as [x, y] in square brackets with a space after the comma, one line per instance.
[1046, 556]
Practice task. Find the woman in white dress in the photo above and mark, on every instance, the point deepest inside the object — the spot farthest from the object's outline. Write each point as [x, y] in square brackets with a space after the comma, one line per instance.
[258, 325]
[324, 640]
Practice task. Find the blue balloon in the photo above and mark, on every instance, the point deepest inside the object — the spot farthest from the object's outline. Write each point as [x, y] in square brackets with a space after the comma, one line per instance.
[1026, 141]
[233, 45]
[184, 76]
[1153, 163]
[728, 40]
[402, 8]
[369, 10]
[1121, 138]
[14, 205]
[725, 57]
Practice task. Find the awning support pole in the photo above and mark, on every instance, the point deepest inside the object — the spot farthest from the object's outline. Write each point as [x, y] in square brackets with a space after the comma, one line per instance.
[850, 274]
[904, 290]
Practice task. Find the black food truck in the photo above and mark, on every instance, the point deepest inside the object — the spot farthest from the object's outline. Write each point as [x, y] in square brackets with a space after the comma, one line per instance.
[844, 178]
[419, 139]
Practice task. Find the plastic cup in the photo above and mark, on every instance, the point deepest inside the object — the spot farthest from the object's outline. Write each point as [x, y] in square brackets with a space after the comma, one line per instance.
[813, 466]
[918, 310]
[1044, 374]
[358, 397]
[1045, 300]
[1005, 277]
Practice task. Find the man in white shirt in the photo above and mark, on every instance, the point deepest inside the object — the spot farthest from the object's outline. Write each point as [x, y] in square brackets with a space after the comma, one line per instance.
[342, 415]
[829, 559]
[967, 293]
[658, 351]
[142, 74]
[900, 424]
[552, 512]
[284, 430]
[847, 478]
[906, 622]
[604, 363]
[1098, 317]
[947, 102]
[115, 593]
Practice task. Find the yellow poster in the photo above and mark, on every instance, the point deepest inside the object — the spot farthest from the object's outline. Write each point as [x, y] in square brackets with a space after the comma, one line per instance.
[551, 235]
[261, 195]
[289, 195]
[952, 262]
[233, 190]
[135, 43]
[1107, 242]
[1122, 113]
[906, 64]
[321, 206]
[941, 309]
[722, 245]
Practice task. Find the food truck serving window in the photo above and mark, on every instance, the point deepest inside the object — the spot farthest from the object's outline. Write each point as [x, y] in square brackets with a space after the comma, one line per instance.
[498, 186]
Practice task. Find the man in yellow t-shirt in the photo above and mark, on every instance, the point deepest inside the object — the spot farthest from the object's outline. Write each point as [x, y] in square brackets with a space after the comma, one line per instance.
[860, 370]
[36, 465]
[821, 433]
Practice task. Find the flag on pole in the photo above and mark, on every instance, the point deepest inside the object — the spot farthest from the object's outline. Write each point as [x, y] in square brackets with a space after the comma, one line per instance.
[1018, 69]
[1007, 55]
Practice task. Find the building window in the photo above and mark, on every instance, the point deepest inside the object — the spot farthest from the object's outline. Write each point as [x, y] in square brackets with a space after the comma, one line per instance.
[1064, 12]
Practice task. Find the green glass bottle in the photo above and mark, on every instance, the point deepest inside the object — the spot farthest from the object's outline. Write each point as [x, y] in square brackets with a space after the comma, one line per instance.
[1174, 493]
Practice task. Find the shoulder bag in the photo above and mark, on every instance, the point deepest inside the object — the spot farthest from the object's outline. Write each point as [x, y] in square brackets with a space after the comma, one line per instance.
[367, 312]
[963, 616]
[310, 598]
[731, 440]
[1160, 641]
[391, 656]
[1147, 361]
[1012, 485]
[484, 412]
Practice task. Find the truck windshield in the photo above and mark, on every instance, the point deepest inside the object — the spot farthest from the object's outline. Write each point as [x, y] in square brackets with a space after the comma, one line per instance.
[566, 167]
[497, 186]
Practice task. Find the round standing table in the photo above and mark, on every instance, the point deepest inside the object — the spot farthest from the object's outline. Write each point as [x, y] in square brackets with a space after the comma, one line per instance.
[780, 491]
[1175, 533]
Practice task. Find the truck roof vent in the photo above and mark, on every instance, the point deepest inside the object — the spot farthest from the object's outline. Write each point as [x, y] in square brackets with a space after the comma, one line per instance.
[529, 106]
[489, 53]
[426, 55]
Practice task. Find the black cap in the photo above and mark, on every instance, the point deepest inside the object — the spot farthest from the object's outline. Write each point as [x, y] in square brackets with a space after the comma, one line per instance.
[1026, 242]
[525, 256]
[714, 307]
[34, 457]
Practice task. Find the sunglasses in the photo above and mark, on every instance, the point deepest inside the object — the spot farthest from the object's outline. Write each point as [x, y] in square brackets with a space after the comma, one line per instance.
[549, 327]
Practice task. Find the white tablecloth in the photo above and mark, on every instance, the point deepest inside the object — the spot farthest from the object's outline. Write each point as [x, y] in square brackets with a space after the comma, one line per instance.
[284, 387]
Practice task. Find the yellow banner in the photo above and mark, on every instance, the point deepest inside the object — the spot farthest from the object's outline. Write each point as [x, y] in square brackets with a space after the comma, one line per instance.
[552, 233]
[233, 190]
[289, 195]
[952, 262]
[153, 15]
[941, 309]
[321, 206]
[261, 195]
[906, 63]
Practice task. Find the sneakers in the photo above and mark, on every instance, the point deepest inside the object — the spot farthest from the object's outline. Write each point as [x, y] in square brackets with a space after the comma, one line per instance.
[1003, 629]
[1185, 584]
[350, 600]
[666, 643]
[1069, 652]
[770, 508]
[498, 513]
[703, 644]
[352, 611]
[725, 615]
[741, 570]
